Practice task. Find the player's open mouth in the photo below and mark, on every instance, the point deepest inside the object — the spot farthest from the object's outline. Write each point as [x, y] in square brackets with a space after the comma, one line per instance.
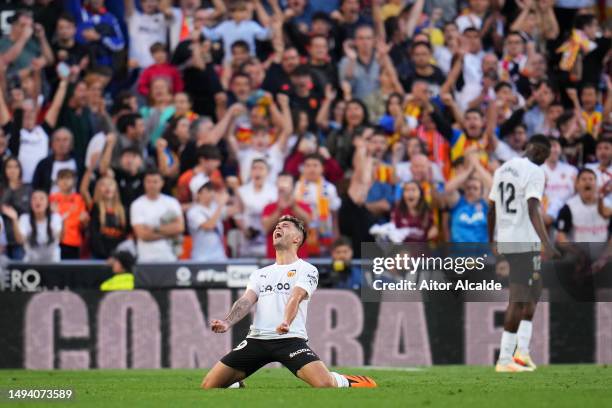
[278, 234]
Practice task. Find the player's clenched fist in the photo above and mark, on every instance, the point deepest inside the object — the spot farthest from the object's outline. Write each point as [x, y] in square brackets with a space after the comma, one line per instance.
[219, 326]
[282, 328]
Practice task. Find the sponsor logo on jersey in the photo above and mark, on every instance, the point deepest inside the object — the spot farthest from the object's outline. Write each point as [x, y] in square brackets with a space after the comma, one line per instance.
[291, 273]
[278, 287]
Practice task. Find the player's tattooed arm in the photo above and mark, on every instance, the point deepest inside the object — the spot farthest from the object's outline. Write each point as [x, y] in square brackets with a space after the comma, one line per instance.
[239, 309]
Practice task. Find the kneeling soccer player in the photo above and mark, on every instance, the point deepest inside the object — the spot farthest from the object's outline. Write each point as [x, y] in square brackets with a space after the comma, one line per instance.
[278, 332]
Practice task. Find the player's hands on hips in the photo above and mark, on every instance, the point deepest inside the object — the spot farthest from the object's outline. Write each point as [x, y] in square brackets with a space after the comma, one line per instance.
[283, 328]
[219, 326]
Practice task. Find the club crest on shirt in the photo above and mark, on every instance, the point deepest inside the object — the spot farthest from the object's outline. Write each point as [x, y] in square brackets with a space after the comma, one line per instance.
[291, 273]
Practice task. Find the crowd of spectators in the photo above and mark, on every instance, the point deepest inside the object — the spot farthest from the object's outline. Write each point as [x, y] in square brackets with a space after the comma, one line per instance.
[186, 128]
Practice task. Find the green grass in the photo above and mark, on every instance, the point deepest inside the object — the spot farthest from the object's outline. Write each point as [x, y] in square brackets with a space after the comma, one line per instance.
[442, 386]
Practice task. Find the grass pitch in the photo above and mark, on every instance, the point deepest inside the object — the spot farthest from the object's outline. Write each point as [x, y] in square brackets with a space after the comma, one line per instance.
[442, 386]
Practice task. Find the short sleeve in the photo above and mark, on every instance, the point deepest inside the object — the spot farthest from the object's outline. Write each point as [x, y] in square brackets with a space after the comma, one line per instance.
[81, 204]
[175, 206]
[504, 152]
[2, 233]
[243, 154]
[334, 201]
[56, 225]
[564, 220]
[254, 282]
[95, 146]
[212, 33]
[261, 33]
[24, 225]
[535, 184]
[493, 194]
[137, 215]
[195, 218]
[308, 279]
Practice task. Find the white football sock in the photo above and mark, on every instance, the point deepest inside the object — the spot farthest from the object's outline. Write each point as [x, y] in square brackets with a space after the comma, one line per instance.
[523, 335]
[341, 381]
[508, 344]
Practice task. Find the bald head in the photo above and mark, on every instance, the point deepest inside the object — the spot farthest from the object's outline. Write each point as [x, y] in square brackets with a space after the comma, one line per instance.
[420, 167]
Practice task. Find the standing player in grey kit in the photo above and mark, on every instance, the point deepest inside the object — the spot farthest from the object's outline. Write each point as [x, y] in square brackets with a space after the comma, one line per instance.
[278, 333]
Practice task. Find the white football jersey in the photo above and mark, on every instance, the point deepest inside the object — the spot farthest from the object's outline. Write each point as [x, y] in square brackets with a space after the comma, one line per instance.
[515, 182]
[559, 186]
[273, 285]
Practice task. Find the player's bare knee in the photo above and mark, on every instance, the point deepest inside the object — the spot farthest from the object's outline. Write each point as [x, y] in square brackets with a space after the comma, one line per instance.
[208, 383]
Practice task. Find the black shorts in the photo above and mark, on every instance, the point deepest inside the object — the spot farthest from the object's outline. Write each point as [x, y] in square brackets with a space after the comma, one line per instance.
[252, 354]
[525, 267]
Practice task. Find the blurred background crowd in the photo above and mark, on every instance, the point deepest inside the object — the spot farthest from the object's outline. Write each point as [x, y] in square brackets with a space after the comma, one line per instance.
[184, 129]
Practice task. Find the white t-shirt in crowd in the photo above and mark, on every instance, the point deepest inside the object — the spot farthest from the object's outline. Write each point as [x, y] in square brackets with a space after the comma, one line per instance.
[33, 147]
[559, 186]
[176, 27]
[155, 213]
[311, 195]
[273, 286]
[207, 244]
[274, 156]
[504, 152]
[603, 177]
[443, 58]
[43, 252]
[95, 146]
[472, 67]
[230, 31]
[254, 202]
[145, 30]
[515, 182]
[468, 20]
[585, 223]
[2, 233]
